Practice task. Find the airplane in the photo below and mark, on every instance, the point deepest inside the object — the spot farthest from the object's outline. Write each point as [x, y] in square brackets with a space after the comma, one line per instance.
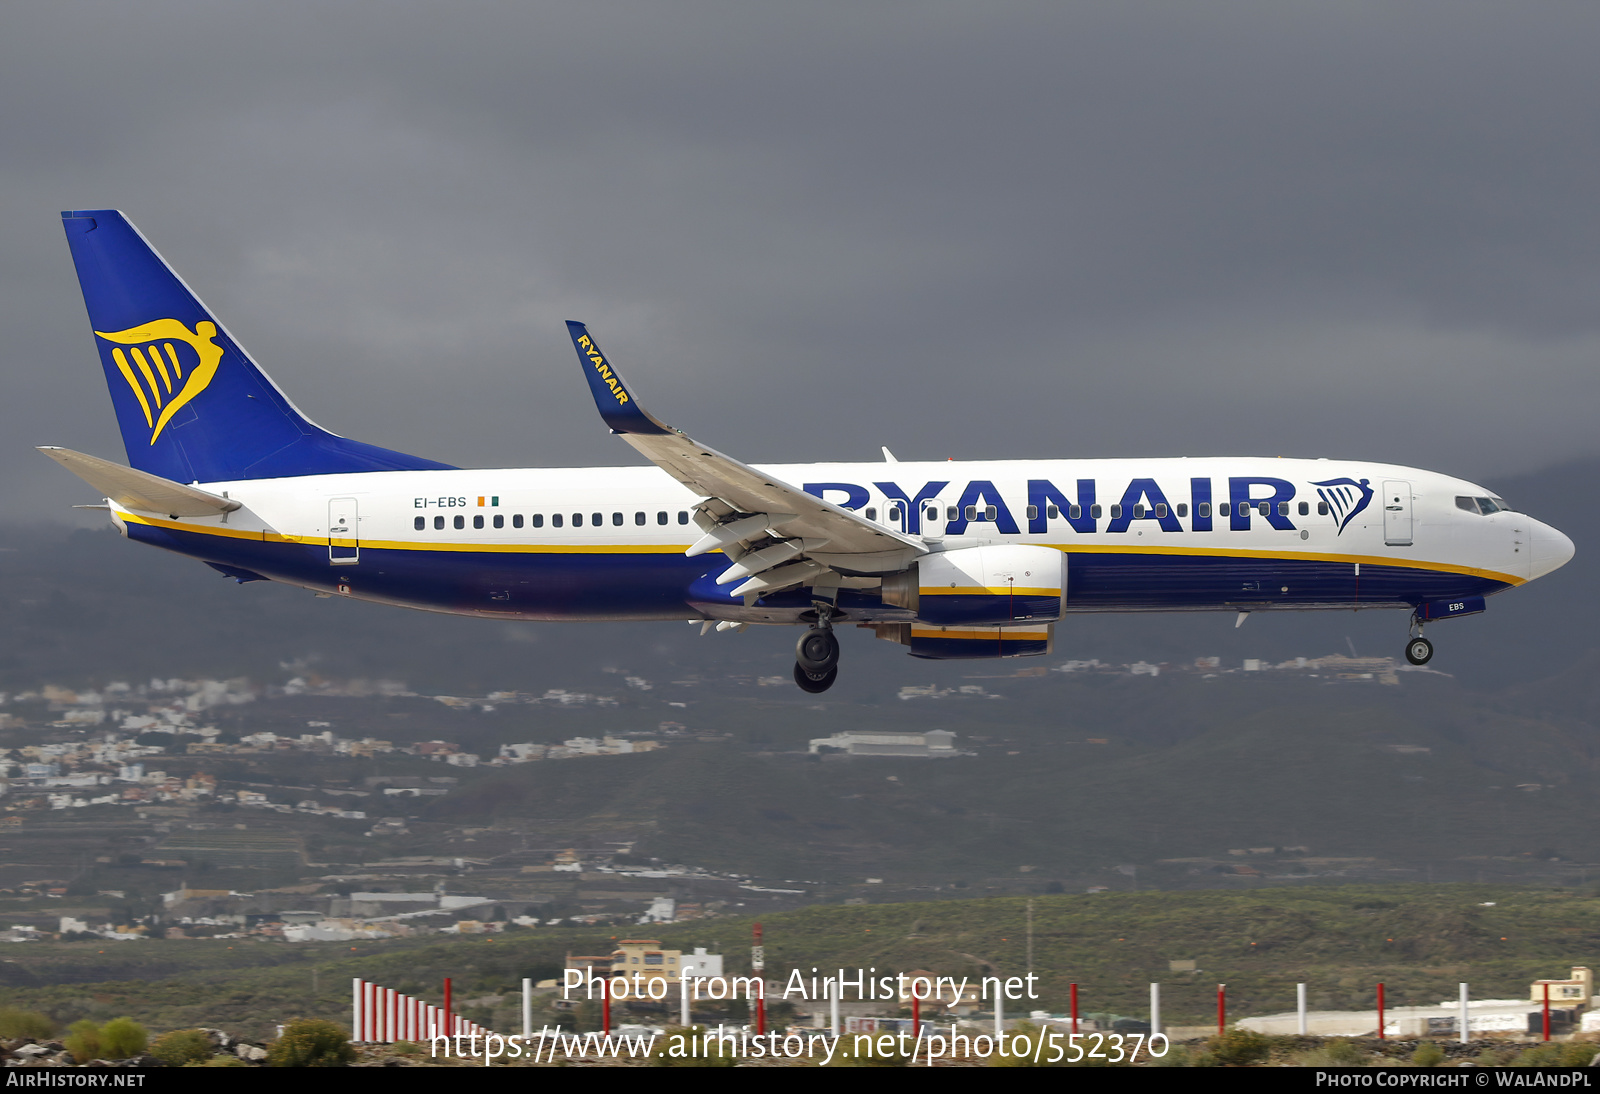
[950, 559]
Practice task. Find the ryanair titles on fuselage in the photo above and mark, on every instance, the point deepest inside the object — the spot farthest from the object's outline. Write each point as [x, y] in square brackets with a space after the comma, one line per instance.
[1083, 506]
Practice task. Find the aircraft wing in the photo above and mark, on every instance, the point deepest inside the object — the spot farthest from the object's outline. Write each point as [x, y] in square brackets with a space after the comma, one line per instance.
[807, 529]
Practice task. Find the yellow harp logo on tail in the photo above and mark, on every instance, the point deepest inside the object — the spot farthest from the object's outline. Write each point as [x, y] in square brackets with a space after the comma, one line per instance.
[154, 370]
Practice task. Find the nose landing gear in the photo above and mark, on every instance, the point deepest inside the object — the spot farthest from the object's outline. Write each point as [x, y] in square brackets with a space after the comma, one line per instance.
[816, 658]
[1419, 651]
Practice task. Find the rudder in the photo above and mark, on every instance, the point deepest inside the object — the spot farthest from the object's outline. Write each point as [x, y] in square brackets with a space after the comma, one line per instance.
[191, 404]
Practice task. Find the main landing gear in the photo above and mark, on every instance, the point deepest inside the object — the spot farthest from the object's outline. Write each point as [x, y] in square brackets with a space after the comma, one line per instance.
[1419, 651]
[816, 658]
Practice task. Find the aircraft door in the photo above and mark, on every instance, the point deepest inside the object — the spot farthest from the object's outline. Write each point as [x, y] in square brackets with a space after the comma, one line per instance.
[344, 535]
[1396, 513]
[932, 521]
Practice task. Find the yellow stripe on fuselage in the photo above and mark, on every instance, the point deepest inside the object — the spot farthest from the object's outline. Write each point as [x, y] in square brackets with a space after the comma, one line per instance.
[979, 590]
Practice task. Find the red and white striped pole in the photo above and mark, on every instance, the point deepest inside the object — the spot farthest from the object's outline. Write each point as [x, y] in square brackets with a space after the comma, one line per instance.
[1222, 1008]
[1380, 1012]
[1547, 1011]
[758, 965]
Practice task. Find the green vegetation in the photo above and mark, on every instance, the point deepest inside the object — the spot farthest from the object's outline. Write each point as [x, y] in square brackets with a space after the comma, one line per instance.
[181, 1047]
[83, 1040]
[1420, 940]
[121, 1038]
[1238, 1048]
[675, 1045]
[17, 1024]
[1428, 1054]
[311, 1042]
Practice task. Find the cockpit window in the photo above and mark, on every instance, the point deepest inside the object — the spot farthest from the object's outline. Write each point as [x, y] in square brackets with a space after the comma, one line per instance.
[1484, 506]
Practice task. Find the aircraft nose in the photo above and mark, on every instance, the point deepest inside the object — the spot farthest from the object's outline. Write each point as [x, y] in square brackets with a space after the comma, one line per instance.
[1551, 550]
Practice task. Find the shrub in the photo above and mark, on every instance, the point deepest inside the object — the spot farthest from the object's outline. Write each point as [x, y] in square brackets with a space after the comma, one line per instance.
[83, 1041]
[1012, 1058]
[1238, 1048]
[1428, 1054]
[674, 1046]
[311, 1042]
[17, 1024]
[121, 1038]
[182, 1046]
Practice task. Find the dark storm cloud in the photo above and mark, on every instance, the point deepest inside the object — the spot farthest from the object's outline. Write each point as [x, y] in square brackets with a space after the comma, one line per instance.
[966, 230]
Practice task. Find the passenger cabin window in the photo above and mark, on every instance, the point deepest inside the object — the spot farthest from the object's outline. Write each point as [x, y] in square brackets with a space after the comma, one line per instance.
[661, 517]
[1116, 512]
[538, 520]
[597, 519]
[1322, 508]
[683, 516]
[894, 513]
[951, 512]
[638, 519]
[1203, 509]
[616, 520]
[972, 512]
[461, 522]
[499, 521]
[1283, 508]
[477, 521]
[1264, 508]
[1094, 512]
[1138, 512]
[932, 513]
[1161, 509]
[438, 522]
[1033, 512]
[990, 512]
[872, 512]
[556, 520]
[1076, 512]
[1304, 509]
[516, 520]
[420, 523]
[1183, 508]
[1051, 512]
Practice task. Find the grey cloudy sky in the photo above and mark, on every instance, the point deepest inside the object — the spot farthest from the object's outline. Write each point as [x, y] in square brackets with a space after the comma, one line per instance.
[804, 230]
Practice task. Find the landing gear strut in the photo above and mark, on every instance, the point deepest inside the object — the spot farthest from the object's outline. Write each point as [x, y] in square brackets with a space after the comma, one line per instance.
[816, 658]
[1419, 651]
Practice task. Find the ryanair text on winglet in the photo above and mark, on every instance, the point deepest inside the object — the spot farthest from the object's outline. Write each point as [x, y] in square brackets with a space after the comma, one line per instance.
[603, 369]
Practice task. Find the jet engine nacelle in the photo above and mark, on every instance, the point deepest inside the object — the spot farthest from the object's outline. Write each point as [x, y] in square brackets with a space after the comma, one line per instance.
[968, 643]
[982, 586]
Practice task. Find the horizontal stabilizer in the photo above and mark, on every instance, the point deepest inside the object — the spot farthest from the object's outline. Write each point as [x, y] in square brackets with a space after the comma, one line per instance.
[140, 490]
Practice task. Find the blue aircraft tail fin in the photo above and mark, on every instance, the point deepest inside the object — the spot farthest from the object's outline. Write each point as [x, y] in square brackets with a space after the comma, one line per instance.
[192, 405]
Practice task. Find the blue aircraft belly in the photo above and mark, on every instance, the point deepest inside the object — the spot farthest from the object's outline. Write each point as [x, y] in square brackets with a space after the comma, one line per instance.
[641, 585]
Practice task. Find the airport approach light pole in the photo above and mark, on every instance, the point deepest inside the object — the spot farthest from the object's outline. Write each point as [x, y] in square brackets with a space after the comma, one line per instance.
[449, 1023]
[1155, 1009]
[1380, 1011]
[1300, 1007]
[1075, 1009]
[758, 965]
[1222, 1008]
[1547, 1011]
[1465, 1037]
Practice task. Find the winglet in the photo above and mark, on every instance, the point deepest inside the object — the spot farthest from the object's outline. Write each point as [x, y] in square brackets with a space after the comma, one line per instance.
[616, 403]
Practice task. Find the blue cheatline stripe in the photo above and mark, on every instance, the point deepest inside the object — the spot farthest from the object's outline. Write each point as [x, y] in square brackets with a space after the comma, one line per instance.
[546, 584]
